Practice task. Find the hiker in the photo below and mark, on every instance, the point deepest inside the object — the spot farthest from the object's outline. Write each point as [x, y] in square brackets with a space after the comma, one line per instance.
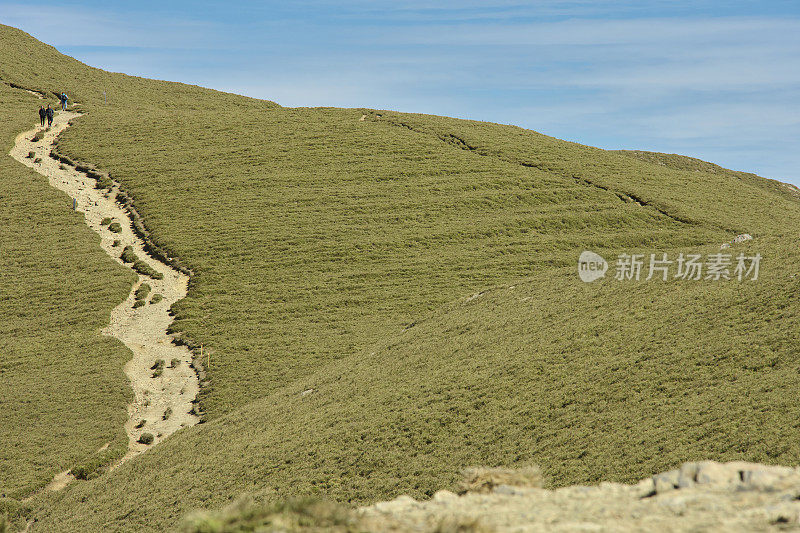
[50, 114]
[42, 114]
[63, 98]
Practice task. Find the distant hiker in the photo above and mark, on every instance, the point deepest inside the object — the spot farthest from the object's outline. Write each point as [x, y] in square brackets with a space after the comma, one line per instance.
[50, 112]
[63, 98]
[42, 114]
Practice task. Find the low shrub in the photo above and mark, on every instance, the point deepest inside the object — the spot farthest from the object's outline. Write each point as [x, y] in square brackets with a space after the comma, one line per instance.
[37, 160]
[158, 367]
[106, 221]
[175, 363]
[80, 472]
[102, 182]
[146, 270]
[116, 244]
[146, 438]
[37, 137]
[156, 298]
[31, 155]
[128, 255]
[115, 227]
[140, 424]
[142, 292]
[138, 303]
[94, 466]
[167, 414]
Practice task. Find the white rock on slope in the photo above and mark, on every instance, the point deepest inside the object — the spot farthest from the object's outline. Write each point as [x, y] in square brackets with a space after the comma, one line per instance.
[701, 496]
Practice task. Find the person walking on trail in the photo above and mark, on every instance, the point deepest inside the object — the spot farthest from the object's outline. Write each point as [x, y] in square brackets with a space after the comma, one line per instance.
[50, 112]
[42, 114]
[63, 98]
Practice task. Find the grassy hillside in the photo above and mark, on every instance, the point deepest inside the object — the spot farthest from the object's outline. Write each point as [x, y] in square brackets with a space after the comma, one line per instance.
[62, 390]
[338, 254]
[314, 234]
[607, 381]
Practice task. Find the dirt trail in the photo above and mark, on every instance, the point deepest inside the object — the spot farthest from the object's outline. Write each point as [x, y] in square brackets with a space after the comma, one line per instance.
[164, 402]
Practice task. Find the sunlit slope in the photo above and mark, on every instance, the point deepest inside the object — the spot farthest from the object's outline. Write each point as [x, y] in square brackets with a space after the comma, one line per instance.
[314, 234]
[608, 381]
[62, 390]
[694, 165]
[685, 188]
[337, 254]
[29, 63]
[63, 393]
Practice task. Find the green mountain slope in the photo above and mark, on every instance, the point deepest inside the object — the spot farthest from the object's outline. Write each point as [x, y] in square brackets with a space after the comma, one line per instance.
[337, 254]
[594, 382]
[62, 390]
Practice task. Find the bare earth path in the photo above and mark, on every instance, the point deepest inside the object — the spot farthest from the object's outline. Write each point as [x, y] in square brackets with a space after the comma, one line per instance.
[163, 403]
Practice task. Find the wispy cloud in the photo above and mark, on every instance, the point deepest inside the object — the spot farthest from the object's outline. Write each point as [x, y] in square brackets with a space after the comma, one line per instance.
[716, 82]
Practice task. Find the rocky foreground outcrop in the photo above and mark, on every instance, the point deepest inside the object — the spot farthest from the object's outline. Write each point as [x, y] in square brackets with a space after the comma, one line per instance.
[701, 496]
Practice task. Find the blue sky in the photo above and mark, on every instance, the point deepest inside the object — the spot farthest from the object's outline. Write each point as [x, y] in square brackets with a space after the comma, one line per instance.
[712, 79]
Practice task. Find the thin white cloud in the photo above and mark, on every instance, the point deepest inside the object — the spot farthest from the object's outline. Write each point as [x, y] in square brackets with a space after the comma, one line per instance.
[710, 86]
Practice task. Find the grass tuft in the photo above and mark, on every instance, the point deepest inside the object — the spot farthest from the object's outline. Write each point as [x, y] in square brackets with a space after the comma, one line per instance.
[158, 367]
[98, 463]
[128, 255]
[146, 438]
[142, 291]
[146, 270]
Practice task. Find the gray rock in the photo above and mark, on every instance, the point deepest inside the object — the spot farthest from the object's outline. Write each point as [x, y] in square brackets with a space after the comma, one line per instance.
[666, 481]
[711, 473]
[687, 474]
[444, 496]
[699, 496]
